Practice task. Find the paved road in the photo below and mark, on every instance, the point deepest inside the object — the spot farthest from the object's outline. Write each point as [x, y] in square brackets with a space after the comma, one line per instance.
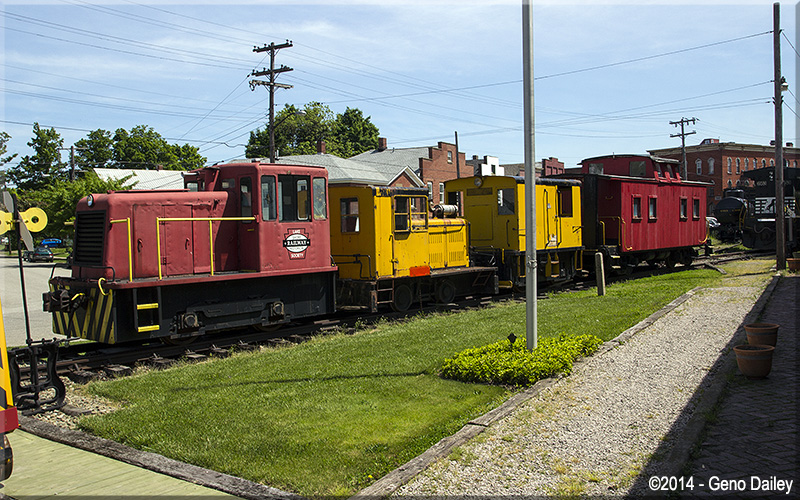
[36, 276]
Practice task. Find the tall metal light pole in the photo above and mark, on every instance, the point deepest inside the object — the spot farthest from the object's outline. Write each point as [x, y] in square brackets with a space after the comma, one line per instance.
[780, 216]
[530, 177]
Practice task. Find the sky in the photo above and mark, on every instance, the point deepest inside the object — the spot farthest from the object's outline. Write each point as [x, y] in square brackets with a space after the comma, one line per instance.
[609, 77]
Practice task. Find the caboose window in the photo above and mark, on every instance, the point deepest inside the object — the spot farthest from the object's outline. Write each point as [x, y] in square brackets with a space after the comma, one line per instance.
[684, 209]
[637, 168]
[637, 207]
[320, 199]
[349, 209]
[696, 208]
[269, 208]
[246, 192]
[653, 208]
[295, 202]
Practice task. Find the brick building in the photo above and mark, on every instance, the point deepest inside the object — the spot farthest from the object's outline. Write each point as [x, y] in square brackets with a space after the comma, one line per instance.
[433, 165]
[722, 163]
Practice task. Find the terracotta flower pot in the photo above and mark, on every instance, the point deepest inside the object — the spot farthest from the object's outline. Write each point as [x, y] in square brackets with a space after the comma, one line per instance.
[755, 361]
[762, 333]
[793, 264]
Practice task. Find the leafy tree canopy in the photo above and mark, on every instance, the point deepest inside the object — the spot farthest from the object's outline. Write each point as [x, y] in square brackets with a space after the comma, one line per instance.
[59, 198]
[345, 135]
[37, 170]
[143, 147]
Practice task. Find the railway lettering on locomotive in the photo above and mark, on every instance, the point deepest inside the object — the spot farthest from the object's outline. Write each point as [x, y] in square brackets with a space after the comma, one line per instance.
[234, 249]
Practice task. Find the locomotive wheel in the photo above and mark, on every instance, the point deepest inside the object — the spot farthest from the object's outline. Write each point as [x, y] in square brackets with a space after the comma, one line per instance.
[445, 292]
[267, 328]
[178, 342]
[402, 298]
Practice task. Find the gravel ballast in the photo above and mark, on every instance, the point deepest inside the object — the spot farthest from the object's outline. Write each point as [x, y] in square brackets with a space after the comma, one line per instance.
[594, 432]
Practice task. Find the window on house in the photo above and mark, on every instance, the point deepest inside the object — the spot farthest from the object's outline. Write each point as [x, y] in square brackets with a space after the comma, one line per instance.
[430, 190]
[710, 166]
[738, 166]
[349, 211]
[449, 157]
[441, 192]
[763, 163]
[746, 164]
[698, 165]
[684, 209]
[269, 209]
[772, 163]
[637, 207]
[730, 164]
[652, 211]
[320, 199]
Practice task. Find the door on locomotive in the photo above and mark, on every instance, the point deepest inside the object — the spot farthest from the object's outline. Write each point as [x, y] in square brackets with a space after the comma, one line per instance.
[8, 413]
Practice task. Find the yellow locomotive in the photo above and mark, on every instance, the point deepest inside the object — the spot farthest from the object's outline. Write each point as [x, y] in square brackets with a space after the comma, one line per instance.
[8, 413]
[495, 209]
[389, 251]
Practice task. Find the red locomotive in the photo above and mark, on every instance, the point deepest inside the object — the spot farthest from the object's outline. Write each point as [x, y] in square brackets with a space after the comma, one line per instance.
[637, 208]
[246, 244]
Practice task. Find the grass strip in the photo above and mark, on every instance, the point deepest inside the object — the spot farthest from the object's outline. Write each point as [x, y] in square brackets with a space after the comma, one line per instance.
[330, 416]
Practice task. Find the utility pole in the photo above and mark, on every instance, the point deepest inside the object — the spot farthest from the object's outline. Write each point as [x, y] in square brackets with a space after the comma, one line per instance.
[531, 289]
[683, 122]
[780, 216]
[272, 72]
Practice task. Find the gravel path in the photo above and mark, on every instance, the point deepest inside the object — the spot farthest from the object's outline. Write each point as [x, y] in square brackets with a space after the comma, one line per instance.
[594, 431]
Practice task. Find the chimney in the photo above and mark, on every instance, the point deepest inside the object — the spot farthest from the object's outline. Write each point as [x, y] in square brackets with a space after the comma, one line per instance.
[382, 144]
[321, 147]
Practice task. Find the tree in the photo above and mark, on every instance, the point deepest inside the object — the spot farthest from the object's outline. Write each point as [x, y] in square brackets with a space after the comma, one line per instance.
[35, 172]
[143, 147]
[4, 138]
[353, 134]
[95, 151]
[59, 198]
[345, 135]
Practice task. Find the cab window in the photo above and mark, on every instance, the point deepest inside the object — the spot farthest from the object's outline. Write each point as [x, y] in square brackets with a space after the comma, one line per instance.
[246, 196]
[410, 213]
[269, 209]
[349, 210]
[294, 198]
[320, 199]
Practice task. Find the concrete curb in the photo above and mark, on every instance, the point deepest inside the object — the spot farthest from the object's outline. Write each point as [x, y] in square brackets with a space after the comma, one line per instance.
[154, 462]
[389, 483]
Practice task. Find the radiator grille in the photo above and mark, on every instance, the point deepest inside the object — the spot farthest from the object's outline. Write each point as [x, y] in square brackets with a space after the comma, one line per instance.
[90, 236]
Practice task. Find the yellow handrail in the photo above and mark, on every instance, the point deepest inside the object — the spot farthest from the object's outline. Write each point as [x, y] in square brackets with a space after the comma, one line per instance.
[210, 220]
[130, 244]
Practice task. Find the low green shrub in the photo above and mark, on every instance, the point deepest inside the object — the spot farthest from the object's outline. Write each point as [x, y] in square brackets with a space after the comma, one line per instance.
[511, 364]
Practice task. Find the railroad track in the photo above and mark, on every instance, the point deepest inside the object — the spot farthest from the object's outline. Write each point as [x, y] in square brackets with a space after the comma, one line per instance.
[82, 361]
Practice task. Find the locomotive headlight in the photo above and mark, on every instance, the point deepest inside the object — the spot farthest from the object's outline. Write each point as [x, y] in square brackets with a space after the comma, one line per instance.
[90, 200]
[478, 181]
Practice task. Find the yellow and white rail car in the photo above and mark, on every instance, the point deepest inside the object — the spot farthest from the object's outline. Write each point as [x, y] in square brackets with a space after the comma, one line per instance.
[495, 209]
[390, 252]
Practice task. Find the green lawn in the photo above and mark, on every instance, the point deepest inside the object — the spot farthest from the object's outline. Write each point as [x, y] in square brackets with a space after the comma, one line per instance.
[332, 415]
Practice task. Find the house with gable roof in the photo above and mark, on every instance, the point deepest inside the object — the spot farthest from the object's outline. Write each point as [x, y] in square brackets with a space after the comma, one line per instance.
[432, 165]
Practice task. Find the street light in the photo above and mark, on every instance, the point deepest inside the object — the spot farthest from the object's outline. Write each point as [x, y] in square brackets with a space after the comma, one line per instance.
[272, 128]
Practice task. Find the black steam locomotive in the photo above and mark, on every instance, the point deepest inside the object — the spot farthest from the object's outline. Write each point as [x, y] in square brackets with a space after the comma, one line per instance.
[748, 211]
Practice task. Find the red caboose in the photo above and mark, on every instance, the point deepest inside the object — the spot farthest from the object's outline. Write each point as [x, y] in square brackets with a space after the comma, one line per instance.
[244, 244]
[637, 208]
